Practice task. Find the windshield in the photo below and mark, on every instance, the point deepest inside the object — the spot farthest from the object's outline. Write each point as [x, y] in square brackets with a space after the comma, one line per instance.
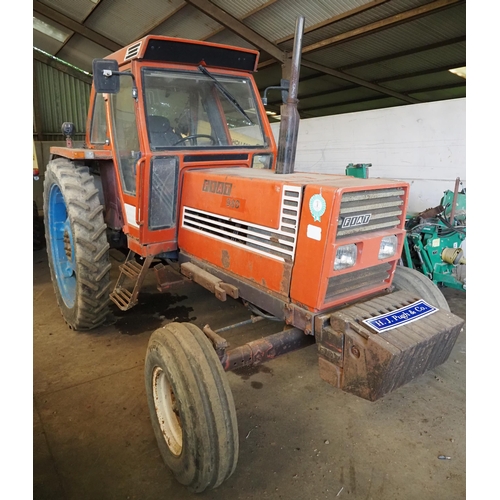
[198, 110]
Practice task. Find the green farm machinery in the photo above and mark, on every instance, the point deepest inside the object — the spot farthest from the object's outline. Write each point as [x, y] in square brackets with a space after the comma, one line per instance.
[434, 240]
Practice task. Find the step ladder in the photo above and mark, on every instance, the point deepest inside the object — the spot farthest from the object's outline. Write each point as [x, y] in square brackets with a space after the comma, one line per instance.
[130, 281]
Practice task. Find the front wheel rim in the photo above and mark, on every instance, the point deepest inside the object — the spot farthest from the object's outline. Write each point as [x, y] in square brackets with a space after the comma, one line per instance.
[62, 246]
[167, 411]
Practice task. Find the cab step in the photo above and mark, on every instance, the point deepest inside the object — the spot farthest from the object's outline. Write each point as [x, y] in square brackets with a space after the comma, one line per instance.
[130, 280]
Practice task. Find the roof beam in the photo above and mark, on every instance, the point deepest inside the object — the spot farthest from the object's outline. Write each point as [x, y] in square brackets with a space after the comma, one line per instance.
[380, 80]
[404, 53]
[162, 20]
[388, 22]
[450, 86]
[248, 14]
[358, 81]
[383, 24]
[395, 55]
[377, 98]
[421, 73]
[335, 19]
[74, 26]
[233, 24]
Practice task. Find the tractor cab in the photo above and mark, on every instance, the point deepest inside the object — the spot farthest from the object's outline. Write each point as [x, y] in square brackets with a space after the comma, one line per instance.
[163, 105]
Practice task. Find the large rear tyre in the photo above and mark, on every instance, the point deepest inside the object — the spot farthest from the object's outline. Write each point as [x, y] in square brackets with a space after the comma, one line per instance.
[77, 245]
[414, 281]
[191, 407]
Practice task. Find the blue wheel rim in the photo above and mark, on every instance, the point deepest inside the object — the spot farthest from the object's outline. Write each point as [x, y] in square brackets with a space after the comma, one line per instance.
[62, 246]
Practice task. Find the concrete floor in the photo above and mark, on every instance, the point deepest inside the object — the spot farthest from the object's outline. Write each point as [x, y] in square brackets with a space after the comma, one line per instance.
[299, 437]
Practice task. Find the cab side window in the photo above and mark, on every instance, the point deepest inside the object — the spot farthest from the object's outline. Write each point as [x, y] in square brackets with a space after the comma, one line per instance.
[98, 128]
[126, 138]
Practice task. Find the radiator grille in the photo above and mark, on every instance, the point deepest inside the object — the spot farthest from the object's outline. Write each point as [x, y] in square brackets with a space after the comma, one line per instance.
[357, 281]
[366, 211]
[279, 244]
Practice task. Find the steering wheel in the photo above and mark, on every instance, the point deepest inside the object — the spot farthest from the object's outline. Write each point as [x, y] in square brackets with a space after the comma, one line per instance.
[193, 138]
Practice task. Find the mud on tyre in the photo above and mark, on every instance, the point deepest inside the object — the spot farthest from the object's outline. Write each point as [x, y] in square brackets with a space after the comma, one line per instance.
[76, 243]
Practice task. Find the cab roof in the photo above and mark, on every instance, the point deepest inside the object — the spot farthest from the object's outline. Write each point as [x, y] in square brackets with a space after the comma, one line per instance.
[183, 51]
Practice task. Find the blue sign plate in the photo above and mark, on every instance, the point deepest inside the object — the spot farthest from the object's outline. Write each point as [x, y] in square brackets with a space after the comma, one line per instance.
[400, 317]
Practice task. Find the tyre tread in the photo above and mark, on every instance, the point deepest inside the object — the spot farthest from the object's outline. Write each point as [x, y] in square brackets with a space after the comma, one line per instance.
[91, 247]
[210, 398]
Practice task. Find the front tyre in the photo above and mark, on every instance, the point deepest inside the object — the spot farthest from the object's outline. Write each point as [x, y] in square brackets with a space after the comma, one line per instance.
[77, 245]
[191, 407]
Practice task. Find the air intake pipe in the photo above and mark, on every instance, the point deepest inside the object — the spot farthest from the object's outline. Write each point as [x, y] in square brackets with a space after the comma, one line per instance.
[289, 127]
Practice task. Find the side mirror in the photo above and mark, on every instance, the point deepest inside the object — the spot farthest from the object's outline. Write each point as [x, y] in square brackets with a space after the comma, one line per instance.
[105, 74]
[285, 86]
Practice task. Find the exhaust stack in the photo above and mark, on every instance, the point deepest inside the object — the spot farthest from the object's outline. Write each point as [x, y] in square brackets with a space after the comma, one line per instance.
[289, 126]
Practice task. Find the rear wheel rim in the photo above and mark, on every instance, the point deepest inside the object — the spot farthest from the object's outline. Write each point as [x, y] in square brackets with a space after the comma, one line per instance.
[62, 246]
[167, 411]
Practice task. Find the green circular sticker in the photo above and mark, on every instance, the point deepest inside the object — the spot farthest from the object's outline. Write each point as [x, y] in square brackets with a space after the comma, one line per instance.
[317, 206]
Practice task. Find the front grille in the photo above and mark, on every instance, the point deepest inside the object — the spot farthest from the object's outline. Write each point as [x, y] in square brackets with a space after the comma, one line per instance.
[275, 243]
[239, 233]
[357, 281]
[366, 211]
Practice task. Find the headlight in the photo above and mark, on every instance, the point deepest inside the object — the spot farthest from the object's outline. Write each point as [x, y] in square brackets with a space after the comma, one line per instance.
[262, 161]
[345, 257]
[388, 247]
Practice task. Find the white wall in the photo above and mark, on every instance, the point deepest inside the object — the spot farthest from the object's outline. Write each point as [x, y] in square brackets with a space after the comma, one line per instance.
[423, 144]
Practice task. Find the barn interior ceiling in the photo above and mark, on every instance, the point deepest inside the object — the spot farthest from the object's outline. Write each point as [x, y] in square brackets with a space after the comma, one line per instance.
[356, 54]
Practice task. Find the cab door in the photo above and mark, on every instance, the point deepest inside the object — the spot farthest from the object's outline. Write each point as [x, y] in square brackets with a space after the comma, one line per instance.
[127, 152]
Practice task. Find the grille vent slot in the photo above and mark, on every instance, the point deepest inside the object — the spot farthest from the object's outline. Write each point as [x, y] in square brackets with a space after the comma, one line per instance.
[384, 206]
[356, 281]
[279, 244]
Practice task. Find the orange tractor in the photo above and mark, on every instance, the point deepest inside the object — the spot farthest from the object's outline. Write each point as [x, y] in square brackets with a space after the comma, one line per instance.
[181, 170]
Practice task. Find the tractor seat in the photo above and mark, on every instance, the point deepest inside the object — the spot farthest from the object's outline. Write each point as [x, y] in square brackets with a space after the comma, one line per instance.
[160, 132]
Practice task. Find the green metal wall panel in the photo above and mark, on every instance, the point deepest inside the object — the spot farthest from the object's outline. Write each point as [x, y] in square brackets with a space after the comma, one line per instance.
[61, 98]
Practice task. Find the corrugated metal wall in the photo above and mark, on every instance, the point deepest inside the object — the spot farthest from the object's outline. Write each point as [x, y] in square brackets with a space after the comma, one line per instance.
[58, 97]
[60, 94]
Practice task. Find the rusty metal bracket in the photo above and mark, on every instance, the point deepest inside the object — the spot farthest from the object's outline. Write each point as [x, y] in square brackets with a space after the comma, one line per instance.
[300, 318]
[209, 281]
[257, 351]
[265, 349]
[220, 343]
[167, 277]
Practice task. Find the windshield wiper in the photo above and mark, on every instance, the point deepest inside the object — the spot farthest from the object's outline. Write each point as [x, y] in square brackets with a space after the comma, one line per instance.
[226, 93]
